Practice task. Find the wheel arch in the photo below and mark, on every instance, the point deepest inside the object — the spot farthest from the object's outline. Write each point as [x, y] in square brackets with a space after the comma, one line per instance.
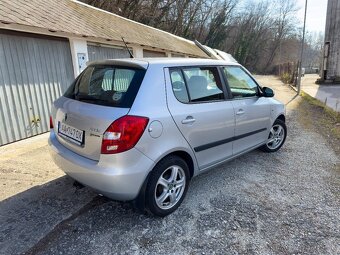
[187, 158]
[139, 202]
[281, 117]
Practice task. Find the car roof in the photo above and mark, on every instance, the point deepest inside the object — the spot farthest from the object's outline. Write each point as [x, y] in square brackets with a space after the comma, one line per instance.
[162, 62]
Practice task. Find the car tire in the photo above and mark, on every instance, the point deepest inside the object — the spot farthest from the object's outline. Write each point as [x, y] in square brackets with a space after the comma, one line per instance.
[167, 186]
[277, 137]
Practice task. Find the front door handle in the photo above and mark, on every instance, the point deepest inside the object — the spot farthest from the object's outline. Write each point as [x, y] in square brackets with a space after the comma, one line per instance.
[188, 120]
[240, 112]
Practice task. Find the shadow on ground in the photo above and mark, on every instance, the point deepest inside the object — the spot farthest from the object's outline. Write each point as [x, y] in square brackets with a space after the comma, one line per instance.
[280, 203]
[28, 216]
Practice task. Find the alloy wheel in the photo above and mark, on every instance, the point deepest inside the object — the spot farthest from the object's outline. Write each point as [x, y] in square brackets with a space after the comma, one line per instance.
[170, 187]
[276, 137]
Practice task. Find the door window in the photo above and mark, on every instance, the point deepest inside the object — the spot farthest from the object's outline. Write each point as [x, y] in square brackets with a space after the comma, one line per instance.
[240, 83]
[196, 84]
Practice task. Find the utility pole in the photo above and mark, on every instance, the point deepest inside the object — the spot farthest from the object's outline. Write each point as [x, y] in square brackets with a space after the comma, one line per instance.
[302, 47]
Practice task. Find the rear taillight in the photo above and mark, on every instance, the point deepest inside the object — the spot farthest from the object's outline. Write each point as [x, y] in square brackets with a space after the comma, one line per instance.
[123, 134]
[51, 123]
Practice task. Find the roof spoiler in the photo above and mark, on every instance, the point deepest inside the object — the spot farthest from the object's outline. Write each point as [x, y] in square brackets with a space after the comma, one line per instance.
[139, 64]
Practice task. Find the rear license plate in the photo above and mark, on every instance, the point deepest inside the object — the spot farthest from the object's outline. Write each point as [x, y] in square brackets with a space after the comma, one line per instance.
[70, 133]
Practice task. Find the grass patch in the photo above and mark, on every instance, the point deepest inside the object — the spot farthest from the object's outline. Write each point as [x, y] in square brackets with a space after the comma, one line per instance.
[331, 115]
[316, 115]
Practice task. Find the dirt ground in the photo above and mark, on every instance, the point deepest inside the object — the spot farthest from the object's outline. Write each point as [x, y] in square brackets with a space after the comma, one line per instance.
[281, 203]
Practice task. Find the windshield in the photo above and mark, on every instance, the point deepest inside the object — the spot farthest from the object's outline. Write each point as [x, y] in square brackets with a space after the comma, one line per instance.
[107, 85]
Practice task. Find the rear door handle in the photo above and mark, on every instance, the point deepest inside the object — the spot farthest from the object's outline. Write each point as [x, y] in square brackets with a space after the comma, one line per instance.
[240, 112]
[188, 120]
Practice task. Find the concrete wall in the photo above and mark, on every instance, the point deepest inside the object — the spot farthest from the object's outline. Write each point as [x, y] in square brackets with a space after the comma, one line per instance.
[79, 55]
[331, 66]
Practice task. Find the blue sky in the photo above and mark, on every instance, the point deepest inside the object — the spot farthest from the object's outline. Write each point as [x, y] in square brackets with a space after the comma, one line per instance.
[316, 14]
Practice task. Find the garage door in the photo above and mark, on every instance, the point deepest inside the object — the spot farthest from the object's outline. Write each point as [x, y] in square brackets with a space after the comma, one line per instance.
[106, 52]
[34, 71]
[177, 55]
[153, 54]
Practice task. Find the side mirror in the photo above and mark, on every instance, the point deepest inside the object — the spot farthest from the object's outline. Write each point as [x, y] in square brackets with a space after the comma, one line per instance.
[267, 92]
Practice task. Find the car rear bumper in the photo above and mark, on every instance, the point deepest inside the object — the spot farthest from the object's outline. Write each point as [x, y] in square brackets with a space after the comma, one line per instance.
[118, 176]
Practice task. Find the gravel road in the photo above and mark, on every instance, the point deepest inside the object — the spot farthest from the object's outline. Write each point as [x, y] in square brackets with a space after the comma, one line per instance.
[281, 203]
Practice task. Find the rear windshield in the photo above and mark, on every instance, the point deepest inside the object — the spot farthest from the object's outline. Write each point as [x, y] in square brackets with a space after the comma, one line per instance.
[107, 85]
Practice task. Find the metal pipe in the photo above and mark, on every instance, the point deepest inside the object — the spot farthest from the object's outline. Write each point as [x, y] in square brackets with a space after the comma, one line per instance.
[201, 46]
[302, 47]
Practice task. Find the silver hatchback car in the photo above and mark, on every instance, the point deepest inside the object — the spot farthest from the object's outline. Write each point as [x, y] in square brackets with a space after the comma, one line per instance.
[140, 129]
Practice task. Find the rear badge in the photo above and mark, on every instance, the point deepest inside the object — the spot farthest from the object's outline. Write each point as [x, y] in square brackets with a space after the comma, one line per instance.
[91, 134]
[95, 130]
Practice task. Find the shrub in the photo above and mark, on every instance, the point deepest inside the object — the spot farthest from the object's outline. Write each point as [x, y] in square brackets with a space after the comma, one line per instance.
[285, 78]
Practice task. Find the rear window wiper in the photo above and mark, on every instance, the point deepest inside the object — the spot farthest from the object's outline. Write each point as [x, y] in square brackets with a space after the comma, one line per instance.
[93, 99]
[85, 97]
[90, 98]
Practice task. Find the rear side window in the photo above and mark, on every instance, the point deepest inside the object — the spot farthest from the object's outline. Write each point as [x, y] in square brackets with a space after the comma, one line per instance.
[107, 85]
[240, 83]
[196, 84]
[179, 86]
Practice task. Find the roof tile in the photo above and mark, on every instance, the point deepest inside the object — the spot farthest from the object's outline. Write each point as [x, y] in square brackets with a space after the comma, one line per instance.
[77, 18]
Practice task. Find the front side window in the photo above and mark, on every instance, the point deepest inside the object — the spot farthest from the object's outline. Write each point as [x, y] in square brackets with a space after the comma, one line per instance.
[196, 84]
[107, 85]
[240, 83]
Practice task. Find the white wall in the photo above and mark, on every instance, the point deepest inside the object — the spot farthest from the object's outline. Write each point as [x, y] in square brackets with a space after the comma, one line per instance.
[79, 55]
[137, 52]
[79, 50]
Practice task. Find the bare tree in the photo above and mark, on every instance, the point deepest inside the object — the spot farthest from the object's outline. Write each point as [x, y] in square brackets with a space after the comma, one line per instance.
[284, 25]
[250, 33]
[260, 34]
[219, 25]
